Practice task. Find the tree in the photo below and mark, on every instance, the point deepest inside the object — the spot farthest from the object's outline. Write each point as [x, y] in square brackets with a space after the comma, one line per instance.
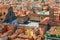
[42, 1]
[19, 0]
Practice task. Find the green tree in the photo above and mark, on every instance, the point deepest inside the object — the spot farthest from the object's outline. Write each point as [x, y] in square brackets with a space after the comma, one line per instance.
[19, 0]
[35, 0]
[42, 1]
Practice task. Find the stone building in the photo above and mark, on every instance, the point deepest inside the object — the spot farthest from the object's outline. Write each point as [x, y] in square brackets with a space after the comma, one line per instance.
[54, 1]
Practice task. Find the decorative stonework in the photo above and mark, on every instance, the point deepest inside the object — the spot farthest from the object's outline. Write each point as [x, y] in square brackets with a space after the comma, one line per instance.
[54, 1]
